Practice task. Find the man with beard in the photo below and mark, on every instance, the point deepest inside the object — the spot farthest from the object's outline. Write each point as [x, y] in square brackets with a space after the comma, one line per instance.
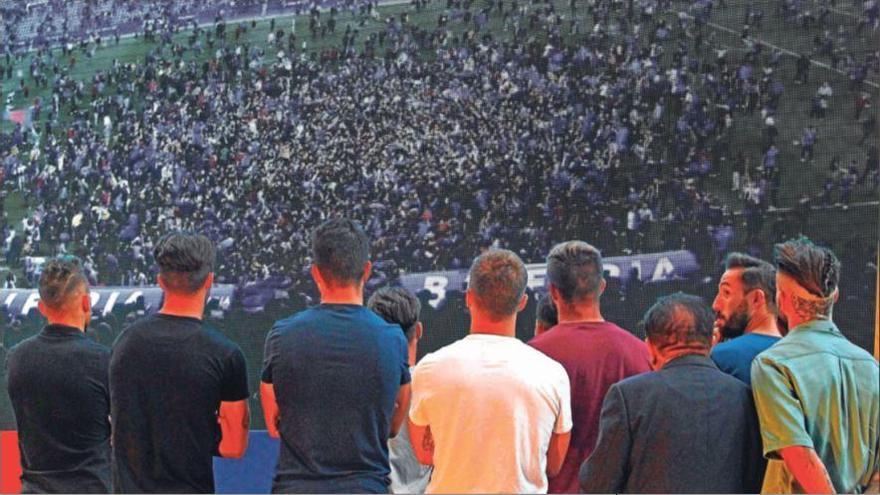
[745, 310]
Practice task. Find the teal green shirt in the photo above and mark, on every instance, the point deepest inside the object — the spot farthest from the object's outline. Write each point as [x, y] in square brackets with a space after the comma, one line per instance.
[814, 388]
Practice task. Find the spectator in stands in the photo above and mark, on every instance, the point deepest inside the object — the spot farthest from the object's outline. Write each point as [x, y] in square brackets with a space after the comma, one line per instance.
[178, 389]
[685, 428]
[594, 352]
[817, 394]
[57, 383]
[546, 315]
[335, 419]
[490, 413]
[745, 314]
[399, 306]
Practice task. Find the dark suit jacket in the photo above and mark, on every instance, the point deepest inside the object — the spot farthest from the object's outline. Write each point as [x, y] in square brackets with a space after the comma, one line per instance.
[686, 428]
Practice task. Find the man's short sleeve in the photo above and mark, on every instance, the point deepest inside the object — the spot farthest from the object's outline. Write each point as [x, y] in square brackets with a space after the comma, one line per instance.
[421, 393]
[780, 412]
[404, 363]
[562, 388]
[235, 383]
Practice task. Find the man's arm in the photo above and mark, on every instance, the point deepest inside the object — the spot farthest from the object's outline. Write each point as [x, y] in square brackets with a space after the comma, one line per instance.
[556, 452]
[234, 419]
[804, 464]
[605, 471]
[270, 408]
[422, 443]
[401, 409]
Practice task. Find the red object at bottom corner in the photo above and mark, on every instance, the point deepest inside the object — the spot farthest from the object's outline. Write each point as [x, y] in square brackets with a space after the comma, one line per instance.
[10, 463]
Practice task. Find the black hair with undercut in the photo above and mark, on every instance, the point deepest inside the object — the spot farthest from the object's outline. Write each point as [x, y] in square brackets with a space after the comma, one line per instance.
[340, 250]
[60, 279]
[546, 312]
[575, 269]
[399, 306]
[185, 260]
[756, 274]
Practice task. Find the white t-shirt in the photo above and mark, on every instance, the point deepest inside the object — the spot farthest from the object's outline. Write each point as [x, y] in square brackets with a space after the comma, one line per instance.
[492, 404]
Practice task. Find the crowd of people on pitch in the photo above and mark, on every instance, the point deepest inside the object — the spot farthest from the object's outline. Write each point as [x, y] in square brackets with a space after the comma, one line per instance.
[760, 392]
[441, 143]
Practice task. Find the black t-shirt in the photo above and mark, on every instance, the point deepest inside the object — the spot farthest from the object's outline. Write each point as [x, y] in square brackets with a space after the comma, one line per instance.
[57, 382]
[168, 375]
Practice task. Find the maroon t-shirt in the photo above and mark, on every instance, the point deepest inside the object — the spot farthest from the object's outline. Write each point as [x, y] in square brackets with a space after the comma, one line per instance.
[595, 356]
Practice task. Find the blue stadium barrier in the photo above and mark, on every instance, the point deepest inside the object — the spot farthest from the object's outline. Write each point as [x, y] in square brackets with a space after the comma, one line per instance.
[253, 472]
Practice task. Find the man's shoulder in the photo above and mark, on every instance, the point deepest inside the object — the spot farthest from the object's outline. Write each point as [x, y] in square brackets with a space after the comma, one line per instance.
[217, 339]
[745, 345]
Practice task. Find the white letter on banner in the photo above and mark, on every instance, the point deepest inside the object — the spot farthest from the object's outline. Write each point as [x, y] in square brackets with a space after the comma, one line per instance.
[133, 297]
[111, 301]
[436, 285]
[11, 297]
[613, 270]
[95, 297]
[31, 303]
[637, 264]
[664, 267]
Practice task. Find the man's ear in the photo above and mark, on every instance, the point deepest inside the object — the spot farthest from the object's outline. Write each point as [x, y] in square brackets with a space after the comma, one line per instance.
[368, 269]
[468, 299]
[653, 354]
[87, 303]
[43, 308]
[602, 285]
[419, 330]
[317, 277]
[522, 303]
[555, 296]
[758, 298]
[161, 281]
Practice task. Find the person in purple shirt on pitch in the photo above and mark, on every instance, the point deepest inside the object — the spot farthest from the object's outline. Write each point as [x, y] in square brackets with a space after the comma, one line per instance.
[595, 353]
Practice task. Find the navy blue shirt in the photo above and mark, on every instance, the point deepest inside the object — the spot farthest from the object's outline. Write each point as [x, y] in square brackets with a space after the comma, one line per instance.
[336, 370]
[735, 356]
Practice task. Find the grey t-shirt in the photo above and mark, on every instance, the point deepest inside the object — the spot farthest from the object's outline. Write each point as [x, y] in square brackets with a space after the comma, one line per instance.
[407, 474]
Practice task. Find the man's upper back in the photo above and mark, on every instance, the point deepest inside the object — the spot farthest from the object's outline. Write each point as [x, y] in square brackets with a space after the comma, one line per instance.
[492, 404]
[595, 355]
[735, 356]
[59, 392]
[168, 375]
[693, 429]
[336, 370]
[814, 388]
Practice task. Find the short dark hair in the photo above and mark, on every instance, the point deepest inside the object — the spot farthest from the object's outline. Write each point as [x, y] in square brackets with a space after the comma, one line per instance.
[498, 280]
[756, 274]
[61, 277]
[679, 319]
[546, 312]
[399, 306]
[815, 268]
[185, 260]
[575, 269]
[340, 249]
